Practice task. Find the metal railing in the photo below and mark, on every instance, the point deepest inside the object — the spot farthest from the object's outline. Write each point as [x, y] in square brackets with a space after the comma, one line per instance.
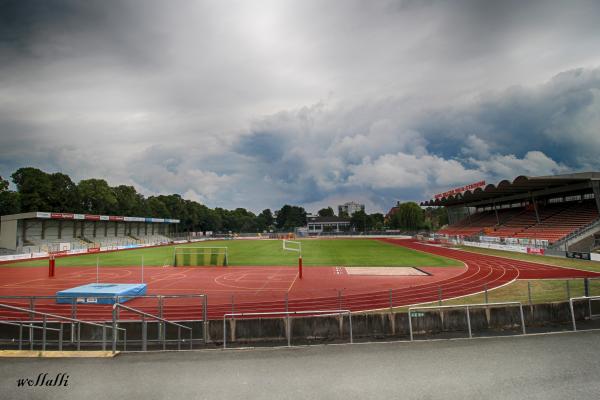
[59, 319]
[466, 307]
[145, 315]
[286, 315]
[589, 299]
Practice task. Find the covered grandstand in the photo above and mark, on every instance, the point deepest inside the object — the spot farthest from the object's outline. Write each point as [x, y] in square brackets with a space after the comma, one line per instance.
[560, 211]
[38, 232]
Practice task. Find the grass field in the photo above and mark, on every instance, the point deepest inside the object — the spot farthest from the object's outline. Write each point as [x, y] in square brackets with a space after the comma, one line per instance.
[339, 252]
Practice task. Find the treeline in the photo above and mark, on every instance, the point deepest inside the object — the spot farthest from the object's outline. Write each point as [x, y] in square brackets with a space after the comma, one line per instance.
[56, 192]
[411, 217]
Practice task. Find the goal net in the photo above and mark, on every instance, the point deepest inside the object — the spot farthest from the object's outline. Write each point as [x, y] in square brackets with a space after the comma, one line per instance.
[199, 256]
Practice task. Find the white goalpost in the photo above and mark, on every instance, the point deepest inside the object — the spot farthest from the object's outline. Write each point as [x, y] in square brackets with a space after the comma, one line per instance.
[295, 246]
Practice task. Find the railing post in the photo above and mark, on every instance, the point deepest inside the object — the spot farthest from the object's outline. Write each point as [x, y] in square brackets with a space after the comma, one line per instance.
[144, 334]
[160, 315]
[440, 295]
[529, 292]
[485, 288]
[391, 301]
[469, 322]
[522, 318]
[568, 289]
[60, 337]
[178, 338]
[164, 334]
[191, 339]
[31, 317]
[224, 332]
[44, 333]
[410, 325]
[20, 336]
[103, 337]
[204, 319]
[350, 322]
[288, 331]
[78, 336]
[572, 315]
[114, 328]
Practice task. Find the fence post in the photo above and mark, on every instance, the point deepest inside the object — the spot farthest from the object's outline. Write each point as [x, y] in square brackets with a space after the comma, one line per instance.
[20, 336]
[572, 315]
[522, 318]
[586, 287]
[391, 301]
[350, 322]
[568, 289]
[410, 325]
[529, 292]
[160, 315]
[204, 319]
[224, 332]
[144, 334]
[439, 295]
[44, 333]
[289, 331]
[178, 337]
[469, 322]
[114, 328]
[78, 336]
[60, 337]
[485, 288]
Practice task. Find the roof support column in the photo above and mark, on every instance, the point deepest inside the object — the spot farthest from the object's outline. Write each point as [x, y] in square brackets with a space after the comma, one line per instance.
[596, 187]
[535, 208]
[496, 211]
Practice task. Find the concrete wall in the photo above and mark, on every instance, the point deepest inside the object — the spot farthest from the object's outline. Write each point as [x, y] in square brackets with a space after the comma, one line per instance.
[389, 325]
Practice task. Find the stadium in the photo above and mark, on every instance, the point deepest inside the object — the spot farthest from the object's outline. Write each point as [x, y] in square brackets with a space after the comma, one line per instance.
[82, 268]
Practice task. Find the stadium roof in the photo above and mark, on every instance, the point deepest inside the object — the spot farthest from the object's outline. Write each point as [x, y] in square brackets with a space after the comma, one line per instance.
[520, 187]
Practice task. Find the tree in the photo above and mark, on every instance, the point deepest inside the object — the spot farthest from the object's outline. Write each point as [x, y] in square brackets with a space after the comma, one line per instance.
[64, 195]
[326, 212]
[10, 202]
[409, 216]
[97, 197]
[359, 221]
[35, 189]
[290, 217]
[264, 220]
[129, 201]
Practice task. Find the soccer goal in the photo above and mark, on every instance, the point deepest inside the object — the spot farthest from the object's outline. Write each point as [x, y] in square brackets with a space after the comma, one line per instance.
[292, 245]
[184, 256]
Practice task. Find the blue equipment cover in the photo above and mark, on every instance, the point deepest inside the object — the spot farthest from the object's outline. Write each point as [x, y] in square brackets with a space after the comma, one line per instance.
[101, 293]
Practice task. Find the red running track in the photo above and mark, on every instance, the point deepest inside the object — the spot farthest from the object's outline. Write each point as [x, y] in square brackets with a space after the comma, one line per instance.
[265, 289]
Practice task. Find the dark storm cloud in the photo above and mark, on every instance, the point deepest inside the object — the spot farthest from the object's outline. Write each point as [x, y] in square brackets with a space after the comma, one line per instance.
[257, 104]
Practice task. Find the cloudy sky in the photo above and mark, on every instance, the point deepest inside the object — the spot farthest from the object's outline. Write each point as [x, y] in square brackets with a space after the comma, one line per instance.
[259, 103]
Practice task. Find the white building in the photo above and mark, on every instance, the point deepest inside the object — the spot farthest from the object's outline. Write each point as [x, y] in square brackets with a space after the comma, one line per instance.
[350, 208]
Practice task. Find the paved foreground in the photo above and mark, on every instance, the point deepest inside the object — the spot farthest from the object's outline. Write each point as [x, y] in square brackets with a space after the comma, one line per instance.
[557, 366]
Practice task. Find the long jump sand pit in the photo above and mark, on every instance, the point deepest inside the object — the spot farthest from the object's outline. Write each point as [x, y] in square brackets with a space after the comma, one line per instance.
[385, 271]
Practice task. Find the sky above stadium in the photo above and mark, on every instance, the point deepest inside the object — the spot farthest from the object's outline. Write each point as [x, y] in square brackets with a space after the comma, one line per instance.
[260, 103]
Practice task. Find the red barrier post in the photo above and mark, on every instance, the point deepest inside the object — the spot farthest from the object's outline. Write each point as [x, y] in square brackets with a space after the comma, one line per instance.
[300, 267]
[51, 266]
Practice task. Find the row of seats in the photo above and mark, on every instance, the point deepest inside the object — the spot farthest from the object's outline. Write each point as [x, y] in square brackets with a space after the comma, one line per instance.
[556, 221]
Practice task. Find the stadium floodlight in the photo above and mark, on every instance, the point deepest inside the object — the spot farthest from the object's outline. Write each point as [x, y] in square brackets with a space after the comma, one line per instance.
[184, 256]
[291, 245]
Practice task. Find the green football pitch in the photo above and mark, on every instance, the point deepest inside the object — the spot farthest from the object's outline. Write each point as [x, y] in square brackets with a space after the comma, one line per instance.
[338, 252]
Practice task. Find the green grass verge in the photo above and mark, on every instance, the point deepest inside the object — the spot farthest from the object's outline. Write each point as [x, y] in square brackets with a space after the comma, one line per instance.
[558, 261]
[342, 252]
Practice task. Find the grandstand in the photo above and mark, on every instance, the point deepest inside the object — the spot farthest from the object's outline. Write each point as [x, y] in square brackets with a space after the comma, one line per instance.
[39, 232]
[547, 211]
